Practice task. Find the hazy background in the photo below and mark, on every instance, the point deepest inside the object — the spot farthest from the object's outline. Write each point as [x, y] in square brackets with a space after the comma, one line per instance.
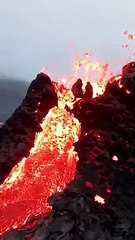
[38, 33]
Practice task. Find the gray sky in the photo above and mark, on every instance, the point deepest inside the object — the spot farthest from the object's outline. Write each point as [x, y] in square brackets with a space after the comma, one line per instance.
[37, 33]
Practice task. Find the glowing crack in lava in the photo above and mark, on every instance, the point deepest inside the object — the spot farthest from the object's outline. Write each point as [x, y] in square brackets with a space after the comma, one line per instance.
[49, 167]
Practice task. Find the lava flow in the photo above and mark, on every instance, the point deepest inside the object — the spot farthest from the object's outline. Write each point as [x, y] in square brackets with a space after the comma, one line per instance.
[51, 164]
[49, 167]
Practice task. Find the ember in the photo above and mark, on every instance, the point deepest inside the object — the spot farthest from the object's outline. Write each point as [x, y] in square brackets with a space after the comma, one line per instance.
[99, 199]
[130, 36]
[89, 184]
[115, 158]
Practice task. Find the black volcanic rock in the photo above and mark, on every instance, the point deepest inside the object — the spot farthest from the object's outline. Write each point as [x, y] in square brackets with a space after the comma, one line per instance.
[18, 133]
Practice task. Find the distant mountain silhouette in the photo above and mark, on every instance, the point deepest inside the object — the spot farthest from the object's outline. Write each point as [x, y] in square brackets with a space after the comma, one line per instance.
[12, 92]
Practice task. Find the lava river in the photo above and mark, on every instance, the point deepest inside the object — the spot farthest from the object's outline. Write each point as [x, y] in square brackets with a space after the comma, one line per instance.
[49, 167]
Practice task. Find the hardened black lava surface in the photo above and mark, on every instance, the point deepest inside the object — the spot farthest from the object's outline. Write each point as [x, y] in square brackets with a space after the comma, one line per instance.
[106, 168]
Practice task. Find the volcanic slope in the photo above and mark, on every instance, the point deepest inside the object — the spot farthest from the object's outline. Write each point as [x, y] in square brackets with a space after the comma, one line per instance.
[99, 202]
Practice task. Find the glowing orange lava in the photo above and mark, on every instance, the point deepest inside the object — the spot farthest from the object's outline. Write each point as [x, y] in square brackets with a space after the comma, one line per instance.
[89, 71]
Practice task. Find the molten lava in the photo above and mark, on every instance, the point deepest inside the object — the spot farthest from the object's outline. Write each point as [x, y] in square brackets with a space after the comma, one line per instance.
[52, 161]
[89, 71]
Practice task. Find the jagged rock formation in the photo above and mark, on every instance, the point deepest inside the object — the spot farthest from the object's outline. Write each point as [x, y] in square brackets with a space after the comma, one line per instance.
[18, 133]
